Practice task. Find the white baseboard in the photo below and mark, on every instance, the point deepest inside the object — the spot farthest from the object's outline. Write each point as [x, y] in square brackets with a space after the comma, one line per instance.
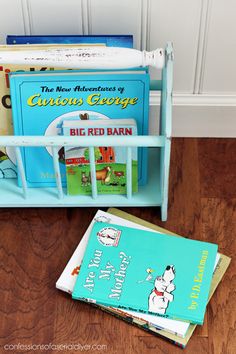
[199, 115]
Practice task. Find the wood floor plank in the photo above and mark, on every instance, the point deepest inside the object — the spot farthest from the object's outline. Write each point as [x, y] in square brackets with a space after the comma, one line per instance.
[184, 191]
[27, 273]
[219, 226]
[217, 159]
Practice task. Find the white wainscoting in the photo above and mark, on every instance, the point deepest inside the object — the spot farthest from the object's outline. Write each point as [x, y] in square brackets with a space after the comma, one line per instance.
[202, 31]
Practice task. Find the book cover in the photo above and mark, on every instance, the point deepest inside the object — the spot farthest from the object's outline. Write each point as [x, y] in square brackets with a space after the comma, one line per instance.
[141, 271]
[41, 101]
[125, 41]
[110, 161]
[220, 270]
[66, 282]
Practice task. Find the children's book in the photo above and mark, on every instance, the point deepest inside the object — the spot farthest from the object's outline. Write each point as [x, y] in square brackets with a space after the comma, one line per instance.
[41, 101]
[67, 279]
[141, 271]
[108, 40]
[110, 161]
[220, 270]
[7, 155]
[66, 282]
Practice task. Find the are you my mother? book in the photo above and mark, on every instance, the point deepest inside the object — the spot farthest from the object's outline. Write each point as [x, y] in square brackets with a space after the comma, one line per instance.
[114, 272]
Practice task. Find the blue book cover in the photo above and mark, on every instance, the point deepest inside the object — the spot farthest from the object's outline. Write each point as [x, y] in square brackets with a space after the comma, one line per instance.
[41, 101]
[110, 161]
[146, 272]
[108, 40]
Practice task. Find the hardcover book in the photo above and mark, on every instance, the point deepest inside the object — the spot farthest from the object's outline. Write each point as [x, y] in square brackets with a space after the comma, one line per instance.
[66, 282]
[41, 101]
[141, 271]
[108, 40]
[110, 161]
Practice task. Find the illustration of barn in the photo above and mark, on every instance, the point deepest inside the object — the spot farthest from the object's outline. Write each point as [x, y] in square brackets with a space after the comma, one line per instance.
[76, 156]
[107, 155]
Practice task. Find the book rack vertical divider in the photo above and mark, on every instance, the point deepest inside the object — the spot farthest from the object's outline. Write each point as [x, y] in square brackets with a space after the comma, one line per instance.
[154, 193]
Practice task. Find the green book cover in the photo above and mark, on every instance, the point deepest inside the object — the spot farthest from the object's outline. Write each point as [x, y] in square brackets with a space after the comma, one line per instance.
[142, 271]
[110, 161]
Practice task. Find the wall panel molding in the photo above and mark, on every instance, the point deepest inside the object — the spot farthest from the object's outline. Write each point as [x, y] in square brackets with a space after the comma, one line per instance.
[11, 18]
[26, 17]
[194, 115]
[219, 74]
[206, 23]
[85, 4]
[179, 22]
[203, 32]
[55, 17]
[202, 42]
[197, 100]
[145, 25]
[117, 17]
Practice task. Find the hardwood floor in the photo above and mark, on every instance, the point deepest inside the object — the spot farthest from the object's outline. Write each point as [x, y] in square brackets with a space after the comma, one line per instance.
[35, 245]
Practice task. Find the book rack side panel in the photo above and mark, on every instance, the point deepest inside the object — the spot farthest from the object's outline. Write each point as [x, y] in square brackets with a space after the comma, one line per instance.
[166, 128]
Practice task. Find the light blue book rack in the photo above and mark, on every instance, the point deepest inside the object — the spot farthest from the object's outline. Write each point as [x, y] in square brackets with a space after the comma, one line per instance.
[154, 193]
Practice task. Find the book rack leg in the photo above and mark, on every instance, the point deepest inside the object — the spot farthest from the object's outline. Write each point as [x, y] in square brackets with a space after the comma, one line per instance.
[93, 172]
[21, 170]
[164, 168]
[129, 172]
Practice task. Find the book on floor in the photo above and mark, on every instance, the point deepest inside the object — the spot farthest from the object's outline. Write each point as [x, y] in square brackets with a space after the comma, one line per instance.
[67, 280]
[220, 270]
[110, 162]
[154, 324]
[41, 101]
[141, 271]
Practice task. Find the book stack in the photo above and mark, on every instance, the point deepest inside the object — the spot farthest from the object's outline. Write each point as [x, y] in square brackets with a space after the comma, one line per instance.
[144, 274]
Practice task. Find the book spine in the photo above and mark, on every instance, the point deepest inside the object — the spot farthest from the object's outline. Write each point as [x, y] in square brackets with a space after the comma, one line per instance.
[130, 308]
[87, 57]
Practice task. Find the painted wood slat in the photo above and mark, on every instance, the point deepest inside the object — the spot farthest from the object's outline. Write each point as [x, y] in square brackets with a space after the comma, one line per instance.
[176, 21]
[93, 172]
[129, 172]
[155, 141]
[57, 172]
[219, 69]
[11, 18]
[21, 170]
[55, 17]
[116, 17]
